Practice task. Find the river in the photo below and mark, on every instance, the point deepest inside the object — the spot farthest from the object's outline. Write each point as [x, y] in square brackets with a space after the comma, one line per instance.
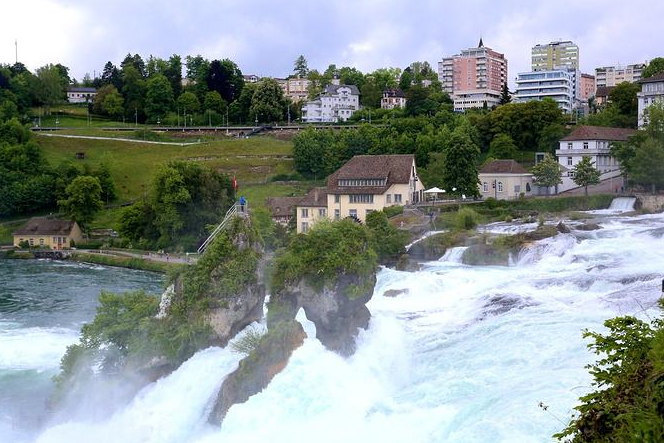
[466, 354]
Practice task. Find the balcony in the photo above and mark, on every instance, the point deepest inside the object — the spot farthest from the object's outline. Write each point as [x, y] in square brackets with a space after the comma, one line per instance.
[578, 152]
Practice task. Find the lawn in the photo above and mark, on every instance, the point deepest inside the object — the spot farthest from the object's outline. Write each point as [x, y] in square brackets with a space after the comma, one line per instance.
[251, 161]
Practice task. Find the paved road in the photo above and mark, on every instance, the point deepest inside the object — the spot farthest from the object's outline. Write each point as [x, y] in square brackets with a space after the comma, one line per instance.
[132, 140]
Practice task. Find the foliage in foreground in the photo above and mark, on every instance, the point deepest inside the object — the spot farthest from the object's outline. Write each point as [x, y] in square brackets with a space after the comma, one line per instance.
[627, 403]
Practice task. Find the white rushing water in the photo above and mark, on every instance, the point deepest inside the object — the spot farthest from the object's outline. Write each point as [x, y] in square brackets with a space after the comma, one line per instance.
[464, 355]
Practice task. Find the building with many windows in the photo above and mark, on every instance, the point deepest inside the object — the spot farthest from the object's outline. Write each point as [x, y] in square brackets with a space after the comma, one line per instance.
[594, 142]
[558, 85]
[554, 55]
[614, 75]
[652, 91]
[586, 87]
[473, 77]
[48, 233]
[80, 94]
[336, 103]
[393, 98]
[364, 184]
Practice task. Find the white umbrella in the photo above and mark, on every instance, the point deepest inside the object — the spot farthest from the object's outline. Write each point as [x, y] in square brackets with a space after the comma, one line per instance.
[434, 191]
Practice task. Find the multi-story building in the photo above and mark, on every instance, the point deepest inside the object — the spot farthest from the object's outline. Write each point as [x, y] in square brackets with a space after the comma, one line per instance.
[251, 78]
[586, 87]
[297, 88]
[652, 91]
[475, 76]
[80, 94]
[558, 85]
[594, 142]
[336, 103]
[393, 98]
[614, 75]
[478, 98]
[555, 55]
[364, 184]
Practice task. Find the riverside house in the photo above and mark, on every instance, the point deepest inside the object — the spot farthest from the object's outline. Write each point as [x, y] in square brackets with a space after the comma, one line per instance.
[505, 180]
[50, 233]
[364, 184]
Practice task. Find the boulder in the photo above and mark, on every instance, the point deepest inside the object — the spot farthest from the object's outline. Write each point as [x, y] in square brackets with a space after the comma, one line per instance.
[257, 369]
[395, 292]
[563, 228]
[588, 227]
[486, 255]
[338, 310]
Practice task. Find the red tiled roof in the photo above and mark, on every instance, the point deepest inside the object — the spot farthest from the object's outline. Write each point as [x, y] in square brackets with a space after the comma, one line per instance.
[282, 206]
[395, 169]
[653, 79]
[503, 167]
[315, 197]
[600, 133]
[604, 91]
[46, 226]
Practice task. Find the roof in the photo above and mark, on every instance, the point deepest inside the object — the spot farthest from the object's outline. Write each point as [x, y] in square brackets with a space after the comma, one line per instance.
[46, 226]
[282, 206]
[396, 169]
[654, 79]
[81, 89]
[394, 93]
[503, 167]
[604, 91]
[332, 89]
[600, 133]
[315, 197]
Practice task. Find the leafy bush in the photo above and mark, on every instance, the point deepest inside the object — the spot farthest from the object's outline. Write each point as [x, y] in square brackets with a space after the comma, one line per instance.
[393, 210]
[388, 242]
[248, 342]
[466, 219]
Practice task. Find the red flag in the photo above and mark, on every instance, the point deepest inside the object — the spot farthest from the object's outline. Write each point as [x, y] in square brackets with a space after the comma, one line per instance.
[234, 184]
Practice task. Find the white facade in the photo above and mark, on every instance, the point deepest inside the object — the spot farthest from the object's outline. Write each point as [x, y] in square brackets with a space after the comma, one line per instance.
[337, 103]
[652, 91]
[559, 84]
[81, 95]
[475, 99]
[571, 152]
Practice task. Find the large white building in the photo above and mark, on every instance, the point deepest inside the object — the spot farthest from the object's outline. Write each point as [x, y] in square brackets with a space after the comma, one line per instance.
[594, 142]
[336, 103]
[614, 75]
[477, 98]
[81, 94]
[560, 85]
[652, 91]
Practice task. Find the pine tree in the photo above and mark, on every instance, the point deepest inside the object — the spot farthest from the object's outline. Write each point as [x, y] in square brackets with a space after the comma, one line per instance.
[505, 97]
[300, 67]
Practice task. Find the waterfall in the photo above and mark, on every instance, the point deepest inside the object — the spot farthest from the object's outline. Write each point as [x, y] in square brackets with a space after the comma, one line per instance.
[623, 204]
[453, 255]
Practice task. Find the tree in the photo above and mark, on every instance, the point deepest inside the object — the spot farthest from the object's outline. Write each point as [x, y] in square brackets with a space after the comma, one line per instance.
[623, 96]
[503, 147]
[388, 242]
[103, 174]
[112, 104]
[49, 87]
[226, 78]
[585, 174]
[370, 94]
[547, 172]
[214, 102]
[111, 76]
[173, 73]
[655, 67]
[133, 91]
[460, 164]
[102, 93]
[189, 103]
[310, 151]
[268, 103]
[197, 68]
[83, 199]
[505, 96]
[525, 122]
[300, 67]
[159, 97]
[239, 109]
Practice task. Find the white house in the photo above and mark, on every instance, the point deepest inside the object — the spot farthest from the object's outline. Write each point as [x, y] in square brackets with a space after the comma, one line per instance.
[652, 90]
[336, 103]
[594, 142]
[80, 94]
[393, 98]
[505, 180]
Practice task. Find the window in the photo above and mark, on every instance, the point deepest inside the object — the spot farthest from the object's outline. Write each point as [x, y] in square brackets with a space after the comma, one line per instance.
[388, 198]
[337, 214]
[517, 189]
[570, 145]
[569, 161]
[305, 226]
[336, 198]
[397, 198]
[304, 212]
[527, 187]
[41, 242]
[362, 198]
[32, 242]
[585, 145]
[500, 186]
[485, 187]
[353, 213]
[322, 212]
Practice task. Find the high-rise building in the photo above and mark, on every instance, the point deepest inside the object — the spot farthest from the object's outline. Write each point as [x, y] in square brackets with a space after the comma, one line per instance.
[479, 72]
[556, 84]
[555, 55]
[586, 87]
[614, 75]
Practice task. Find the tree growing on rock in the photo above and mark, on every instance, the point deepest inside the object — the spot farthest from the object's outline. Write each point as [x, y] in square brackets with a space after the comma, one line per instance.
[547, 173]
[586, 174]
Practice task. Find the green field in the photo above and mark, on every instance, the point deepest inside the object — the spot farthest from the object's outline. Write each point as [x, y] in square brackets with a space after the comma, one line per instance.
[252, 161]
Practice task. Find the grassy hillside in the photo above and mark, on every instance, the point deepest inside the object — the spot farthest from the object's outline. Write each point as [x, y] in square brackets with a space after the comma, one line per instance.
[252, 161]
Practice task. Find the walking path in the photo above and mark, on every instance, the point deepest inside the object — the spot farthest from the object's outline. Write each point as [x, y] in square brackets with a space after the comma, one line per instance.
[91, 137]
[152, 256]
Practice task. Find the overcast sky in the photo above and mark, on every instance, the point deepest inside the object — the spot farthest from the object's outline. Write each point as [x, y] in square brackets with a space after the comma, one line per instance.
[265, 37]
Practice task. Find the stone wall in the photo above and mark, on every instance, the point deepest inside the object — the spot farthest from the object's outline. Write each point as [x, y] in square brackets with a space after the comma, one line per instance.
[649, 202]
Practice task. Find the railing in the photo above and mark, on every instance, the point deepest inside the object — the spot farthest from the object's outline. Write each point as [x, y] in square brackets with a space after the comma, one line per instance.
[232, 212]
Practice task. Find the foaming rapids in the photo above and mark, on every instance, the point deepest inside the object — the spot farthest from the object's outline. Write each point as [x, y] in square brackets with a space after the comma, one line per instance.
[465, 354]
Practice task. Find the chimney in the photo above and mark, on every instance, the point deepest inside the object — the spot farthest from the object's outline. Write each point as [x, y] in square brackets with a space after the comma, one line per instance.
[316, 195]
[336, 81]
